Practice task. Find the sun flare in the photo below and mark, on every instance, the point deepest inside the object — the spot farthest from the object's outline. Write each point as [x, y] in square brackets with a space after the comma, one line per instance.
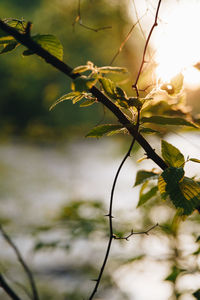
[177, 43]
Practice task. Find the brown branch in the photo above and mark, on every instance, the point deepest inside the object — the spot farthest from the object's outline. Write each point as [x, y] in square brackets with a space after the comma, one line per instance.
[4, 285]
[64, 68]
[145, 48]
[111, 235]
[22, 262]
[78, 20]
[146, 232]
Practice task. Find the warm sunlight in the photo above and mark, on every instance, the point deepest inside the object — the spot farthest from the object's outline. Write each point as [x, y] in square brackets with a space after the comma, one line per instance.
[177, 42]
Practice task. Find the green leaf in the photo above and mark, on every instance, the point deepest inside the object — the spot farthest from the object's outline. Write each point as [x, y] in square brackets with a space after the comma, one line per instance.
[81, 69]
[148, 130]
[109, 69]
[69, 96]
[196, 294]
[184, 192]
[6, 40]
[174, 274]
[168, 121]
[83, 83]
[144, 197]
[172, 156]
[143, 176]
[108, 87]
[48, 42]
[77, 98]
[9, 47]
[120, 94]
[195, 160]
[103, 129]
[88, 102]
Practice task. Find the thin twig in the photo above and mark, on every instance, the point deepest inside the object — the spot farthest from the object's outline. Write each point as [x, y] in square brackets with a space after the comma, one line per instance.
[125, 40]
[4, 285]
[146, 232]
[111, 235]
[22, 262]
[78, 20]
[145, 48]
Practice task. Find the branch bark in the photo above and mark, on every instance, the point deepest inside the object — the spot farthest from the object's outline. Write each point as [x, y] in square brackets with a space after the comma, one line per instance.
[7, 289]
[27, 41]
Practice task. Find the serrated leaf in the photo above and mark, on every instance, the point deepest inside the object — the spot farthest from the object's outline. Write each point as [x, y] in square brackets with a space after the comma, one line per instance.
[69, 96]
[144, 197]
[83, 83]
[48, 42]
[103, 129]
[184, 192]
[108, 69]
[196, 294]
[168, 121]
[143, 176]
[88, 102]
[195, 160]
[172, 156]
[9, 47]
[108, 87]
[81, 69]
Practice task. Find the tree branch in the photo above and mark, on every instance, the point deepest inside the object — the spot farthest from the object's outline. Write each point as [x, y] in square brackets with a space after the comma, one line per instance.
[7, 289]
[22, 262]
[64, 68]
[135, 233]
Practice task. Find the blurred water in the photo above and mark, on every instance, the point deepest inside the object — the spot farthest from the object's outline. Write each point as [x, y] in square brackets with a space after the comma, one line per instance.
[35, 180]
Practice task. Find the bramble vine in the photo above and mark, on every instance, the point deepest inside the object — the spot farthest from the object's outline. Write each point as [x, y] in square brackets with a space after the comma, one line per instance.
[91, 84]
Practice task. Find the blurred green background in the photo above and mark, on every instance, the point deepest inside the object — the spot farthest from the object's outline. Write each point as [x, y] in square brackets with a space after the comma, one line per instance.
[29, 86]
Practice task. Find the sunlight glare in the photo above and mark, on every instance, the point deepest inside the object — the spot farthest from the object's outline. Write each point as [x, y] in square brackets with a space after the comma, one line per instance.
[177, 43]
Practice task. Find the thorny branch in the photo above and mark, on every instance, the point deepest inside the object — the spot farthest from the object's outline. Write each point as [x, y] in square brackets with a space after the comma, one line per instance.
[22, 262]
[135, 233]
[133, 130]
[4, 285]
[111, 235]
[78, 20]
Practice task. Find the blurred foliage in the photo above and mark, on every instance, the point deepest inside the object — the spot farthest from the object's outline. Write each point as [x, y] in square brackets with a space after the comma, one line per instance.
[27, 94]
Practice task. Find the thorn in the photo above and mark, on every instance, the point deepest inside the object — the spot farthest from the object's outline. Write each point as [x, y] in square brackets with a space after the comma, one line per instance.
[95, 280]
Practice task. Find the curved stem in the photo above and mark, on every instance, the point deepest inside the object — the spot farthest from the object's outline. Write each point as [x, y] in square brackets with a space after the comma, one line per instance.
[7, 289]
[111, 236]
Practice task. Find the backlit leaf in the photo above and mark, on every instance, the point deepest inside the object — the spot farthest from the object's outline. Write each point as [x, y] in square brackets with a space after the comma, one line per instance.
[108, 87]
[69, 96]
[184, 192]
[195, 160]
[109, 69]
[172, 156]
[83, 83]
[88, 102]
[48, 42]
[81, 69]
[144, 197]
[143, 176]
[167, 121]
[103, 129]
